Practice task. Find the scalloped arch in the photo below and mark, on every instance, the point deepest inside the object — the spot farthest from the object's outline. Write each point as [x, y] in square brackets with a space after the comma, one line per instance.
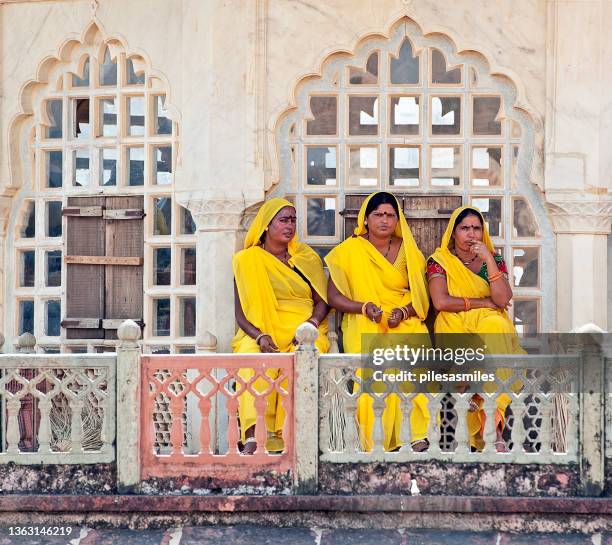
[71, 56]
[443, 36]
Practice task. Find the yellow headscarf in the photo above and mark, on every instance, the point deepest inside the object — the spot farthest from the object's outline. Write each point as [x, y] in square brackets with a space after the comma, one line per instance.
[302, 256]
[457, 274]
[414, 257]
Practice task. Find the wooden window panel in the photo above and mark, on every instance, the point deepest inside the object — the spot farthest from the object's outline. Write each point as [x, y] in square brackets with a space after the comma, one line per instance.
[105, 293]
[123, 283]
[85, 283]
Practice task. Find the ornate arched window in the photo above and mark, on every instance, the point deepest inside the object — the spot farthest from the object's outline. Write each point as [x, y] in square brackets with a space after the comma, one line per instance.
[96, 233]
[408, 114]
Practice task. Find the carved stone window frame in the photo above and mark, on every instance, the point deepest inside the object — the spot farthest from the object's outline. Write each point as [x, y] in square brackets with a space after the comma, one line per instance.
[520, 130]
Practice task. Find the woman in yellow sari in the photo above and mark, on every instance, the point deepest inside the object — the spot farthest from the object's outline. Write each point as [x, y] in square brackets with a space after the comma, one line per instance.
[377, 279]
[279, 283]
[470, 290]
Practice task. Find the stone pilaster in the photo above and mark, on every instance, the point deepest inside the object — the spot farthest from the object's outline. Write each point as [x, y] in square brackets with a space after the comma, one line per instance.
[218, 221]
[582, 226]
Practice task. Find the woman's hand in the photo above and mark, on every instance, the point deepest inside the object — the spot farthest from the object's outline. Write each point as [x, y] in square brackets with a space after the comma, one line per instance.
[479, 249]
[373, 313]
[395, 318]
[487, 302]
[266, 344]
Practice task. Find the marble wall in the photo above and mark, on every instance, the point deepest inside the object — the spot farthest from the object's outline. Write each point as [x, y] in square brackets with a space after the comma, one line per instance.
[231, 67]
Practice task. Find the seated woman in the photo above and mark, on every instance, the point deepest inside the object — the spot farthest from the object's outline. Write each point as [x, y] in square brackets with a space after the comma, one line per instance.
[470, 290]
[377, 279]
[279, 283]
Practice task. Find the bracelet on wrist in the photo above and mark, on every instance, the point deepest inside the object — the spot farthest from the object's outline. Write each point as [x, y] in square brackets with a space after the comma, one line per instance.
[466, 304]
[260, 336]
[495, 277]
[314, 322]
[364, 308]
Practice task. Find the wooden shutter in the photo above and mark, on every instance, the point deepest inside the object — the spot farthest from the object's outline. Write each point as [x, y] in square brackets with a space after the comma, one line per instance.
[103, 258]
[427, 216]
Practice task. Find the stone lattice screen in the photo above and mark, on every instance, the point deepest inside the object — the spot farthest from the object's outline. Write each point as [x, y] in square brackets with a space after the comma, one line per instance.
[189, 414]
[58, 409]
[546, 431]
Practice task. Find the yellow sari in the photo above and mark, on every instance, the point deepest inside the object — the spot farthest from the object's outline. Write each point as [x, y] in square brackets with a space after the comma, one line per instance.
[275, 299]
[361, 273]
[494, 326]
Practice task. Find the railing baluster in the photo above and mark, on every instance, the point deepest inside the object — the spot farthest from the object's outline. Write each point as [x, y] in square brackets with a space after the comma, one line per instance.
[519, 433]
[378, 434]
[352, 442]
[434, 426]
[176, 429]
[462, 435]
[44, 432]
[12, 429]
[260, 403]
[233, 433]
[490, 434]
[406, 406]
[205, 405]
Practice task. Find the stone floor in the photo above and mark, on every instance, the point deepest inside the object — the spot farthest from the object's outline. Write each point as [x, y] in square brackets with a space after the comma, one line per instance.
[266, 535]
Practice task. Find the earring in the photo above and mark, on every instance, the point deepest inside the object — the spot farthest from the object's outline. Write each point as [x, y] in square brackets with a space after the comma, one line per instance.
[266, 229]
[365, 222]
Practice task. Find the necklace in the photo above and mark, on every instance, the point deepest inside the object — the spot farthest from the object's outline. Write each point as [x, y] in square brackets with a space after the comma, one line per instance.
[285, 254]
[464, 262]
[388, 249]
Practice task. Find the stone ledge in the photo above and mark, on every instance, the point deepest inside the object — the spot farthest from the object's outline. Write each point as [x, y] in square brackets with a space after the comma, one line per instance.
[36, 503]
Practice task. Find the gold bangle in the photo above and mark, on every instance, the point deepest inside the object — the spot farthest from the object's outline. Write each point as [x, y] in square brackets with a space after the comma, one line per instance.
[404, 312]
[364, 307]
[260, 336]
[314, 322]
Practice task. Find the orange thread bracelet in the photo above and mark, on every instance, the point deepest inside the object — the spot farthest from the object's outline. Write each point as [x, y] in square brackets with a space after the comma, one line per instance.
[495, 276]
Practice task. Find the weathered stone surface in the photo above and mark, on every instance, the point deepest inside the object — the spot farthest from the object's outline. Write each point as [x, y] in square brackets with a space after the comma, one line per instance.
[261, 535]
[124, 537]
[443, 479]
[58, 479]
[424, 537]
[264, 535]
[546, 539]
[361, 537]
[263, 483]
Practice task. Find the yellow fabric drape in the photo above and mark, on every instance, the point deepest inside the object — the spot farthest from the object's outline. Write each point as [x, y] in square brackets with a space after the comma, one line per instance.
[493, 326]
[275, 299]
[361, 273]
